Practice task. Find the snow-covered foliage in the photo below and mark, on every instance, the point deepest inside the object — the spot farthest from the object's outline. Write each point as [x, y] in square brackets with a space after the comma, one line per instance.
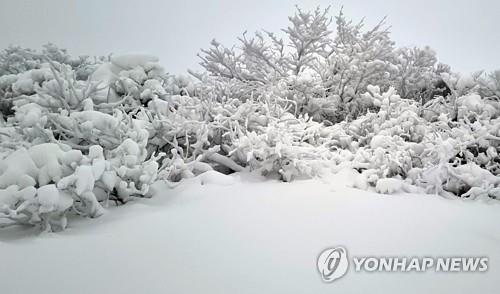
[325, 71]
[42, 184]
[21, 70]
[443, 155]
[76, 133]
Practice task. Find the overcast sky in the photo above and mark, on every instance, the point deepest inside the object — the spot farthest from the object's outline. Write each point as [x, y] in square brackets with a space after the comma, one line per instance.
[465, 33]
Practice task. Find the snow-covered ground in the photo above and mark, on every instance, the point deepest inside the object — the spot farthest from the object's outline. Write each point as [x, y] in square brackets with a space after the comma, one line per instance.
[249, 235]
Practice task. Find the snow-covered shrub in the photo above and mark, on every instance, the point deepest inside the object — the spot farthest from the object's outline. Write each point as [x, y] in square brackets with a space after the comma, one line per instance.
[137, 77]
[23, 71]
[418, 73]
[487, 85]
[288, 147]
[191, 130]
[42, 166]
[180, 85]
[105, 149]
[16, 60]
[358, 58]
[325, 72]
[442, 155]
[41, 185]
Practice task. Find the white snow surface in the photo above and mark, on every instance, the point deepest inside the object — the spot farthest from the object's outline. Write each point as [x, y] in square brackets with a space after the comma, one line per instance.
[243, 234]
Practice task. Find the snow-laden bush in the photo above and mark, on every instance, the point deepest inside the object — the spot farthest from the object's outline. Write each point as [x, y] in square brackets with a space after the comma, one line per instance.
[135, 77]
[288, 147]
[16, 60]
[108, 145]
[418, 73]
[137, 131]
[23, 70]
[43, 184]
[325, 71]
[445, 156]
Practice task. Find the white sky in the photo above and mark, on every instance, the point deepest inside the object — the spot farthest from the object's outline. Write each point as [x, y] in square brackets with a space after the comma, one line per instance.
[466, 34]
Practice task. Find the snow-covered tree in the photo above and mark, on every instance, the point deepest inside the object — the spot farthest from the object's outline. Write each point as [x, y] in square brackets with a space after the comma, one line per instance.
[322, 72]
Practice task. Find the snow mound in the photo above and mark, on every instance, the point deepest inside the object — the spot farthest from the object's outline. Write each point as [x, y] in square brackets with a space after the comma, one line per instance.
[215, 178]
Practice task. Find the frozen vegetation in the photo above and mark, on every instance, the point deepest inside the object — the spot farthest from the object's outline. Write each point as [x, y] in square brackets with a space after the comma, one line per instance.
[324, 95]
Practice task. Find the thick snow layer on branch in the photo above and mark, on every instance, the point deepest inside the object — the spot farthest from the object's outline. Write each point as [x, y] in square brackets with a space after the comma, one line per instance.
[17, 165]
[96, 119]
[137, 67]
[29, 115]
[51, 199]
[105, 73]
[131, 61]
